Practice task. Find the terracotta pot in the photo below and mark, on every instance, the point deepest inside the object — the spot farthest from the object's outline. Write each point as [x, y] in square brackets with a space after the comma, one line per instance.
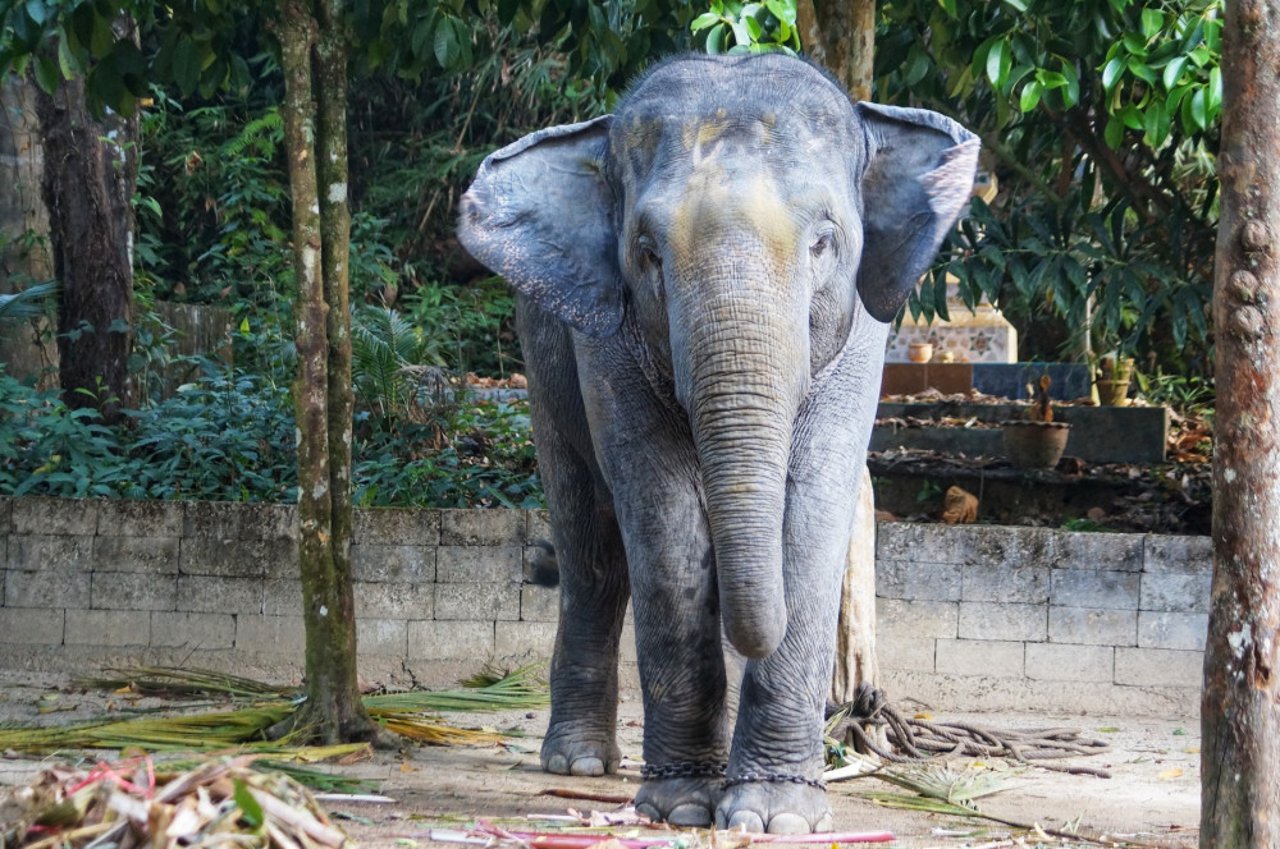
[1113, 393]
[1035, 445]
[920, 352]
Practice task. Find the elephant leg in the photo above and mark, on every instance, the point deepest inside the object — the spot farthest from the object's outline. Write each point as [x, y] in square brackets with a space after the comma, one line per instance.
[682, 671]
[580, 739]
[772, 782]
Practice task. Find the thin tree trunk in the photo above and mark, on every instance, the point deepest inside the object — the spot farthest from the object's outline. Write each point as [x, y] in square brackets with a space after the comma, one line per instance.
[1240, 707]
[840, 34]
[28, 350]
[312, 49]
[90, 170]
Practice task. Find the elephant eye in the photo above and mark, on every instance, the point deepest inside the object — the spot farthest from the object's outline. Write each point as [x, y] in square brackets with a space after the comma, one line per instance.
[648, 252]
[825, 241]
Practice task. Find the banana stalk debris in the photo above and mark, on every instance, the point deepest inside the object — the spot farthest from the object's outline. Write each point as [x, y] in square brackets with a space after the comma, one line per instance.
[129, 805]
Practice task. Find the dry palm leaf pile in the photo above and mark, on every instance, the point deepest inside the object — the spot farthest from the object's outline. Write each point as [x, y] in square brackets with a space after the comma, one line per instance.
[410, 714]
[130, 804]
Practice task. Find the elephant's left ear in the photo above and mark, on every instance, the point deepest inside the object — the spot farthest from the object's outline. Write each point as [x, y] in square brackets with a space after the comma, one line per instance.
[919, 174]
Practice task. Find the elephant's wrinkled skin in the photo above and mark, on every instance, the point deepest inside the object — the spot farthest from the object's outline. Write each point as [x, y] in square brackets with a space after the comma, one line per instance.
[704, 279]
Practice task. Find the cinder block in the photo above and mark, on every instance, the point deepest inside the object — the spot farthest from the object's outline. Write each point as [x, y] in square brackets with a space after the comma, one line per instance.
[394, 600]
[524, 641]
[1163, 553]
[905, 618]
[481, 527]
[905, 653]
[539, 604]
[451, 640]
[999, 547]
[107, 628]
[917, 580]
[205, 594]
[995, 658]
[396, 526]
[1164, 630]
[1089, 626]
[235, 521]
[1001, 582]
[133, 591]
[271, 635]
[1098, 551]
[1062, 662]
[51, 553]
[156, 555]
[1159, 668]
[140, 518]
[457, 564]
[986, 621]
[477, 602]
[1107, 590]
[238, 558]
[396, 563]
[282, 597]
[50, 588]
[56, 516]
[193, 630]
[537, 525]
[31, 626]
[382, 636]
[1184, 592]
[897, 541]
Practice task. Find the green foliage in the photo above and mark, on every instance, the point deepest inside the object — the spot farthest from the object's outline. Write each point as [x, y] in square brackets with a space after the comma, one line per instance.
[1100, 119]
[733, 27]
[32, 302]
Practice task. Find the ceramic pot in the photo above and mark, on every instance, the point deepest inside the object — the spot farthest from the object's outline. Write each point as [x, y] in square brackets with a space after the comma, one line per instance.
[1035, 445]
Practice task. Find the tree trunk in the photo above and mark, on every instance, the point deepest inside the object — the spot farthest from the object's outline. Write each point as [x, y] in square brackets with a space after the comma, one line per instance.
[856, 637]
[840, 35]
[313, 50]
[1240, 707]
[27, 350]
[90, 170]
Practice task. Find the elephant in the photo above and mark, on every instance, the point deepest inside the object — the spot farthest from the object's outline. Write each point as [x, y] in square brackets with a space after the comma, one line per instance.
[703, 283]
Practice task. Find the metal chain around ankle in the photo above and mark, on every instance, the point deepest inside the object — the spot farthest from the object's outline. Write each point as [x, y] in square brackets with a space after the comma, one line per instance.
[683, 769]
[773, 777]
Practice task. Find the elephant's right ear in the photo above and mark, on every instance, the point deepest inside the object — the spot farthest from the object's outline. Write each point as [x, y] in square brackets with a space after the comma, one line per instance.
[540, 213]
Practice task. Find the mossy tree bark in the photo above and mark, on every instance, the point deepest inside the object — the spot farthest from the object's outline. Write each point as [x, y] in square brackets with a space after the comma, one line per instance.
[90, 171]
[1240, 706]
[314, 61]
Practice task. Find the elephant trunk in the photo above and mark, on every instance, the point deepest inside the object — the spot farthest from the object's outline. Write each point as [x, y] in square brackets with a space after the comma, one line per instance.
[746, 382]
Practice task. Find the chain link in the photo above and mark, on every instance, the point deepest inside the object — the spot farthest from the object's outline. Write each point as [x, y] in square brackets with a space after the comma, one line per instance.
[683, 769]
[772, 777]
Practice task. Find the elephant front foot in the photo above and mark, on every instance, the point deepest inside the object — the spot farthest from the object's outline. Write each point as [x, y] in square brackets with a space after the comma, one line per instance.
[780, 804]
[685, 801]
[571, 751]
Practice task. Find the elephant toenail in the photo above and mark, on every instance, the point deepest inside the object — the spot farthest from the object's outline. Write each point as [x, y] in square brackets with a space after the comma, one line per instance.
[748, 821]
[587, 766]
[788, 824]
[649, 812]
[695, 816]
[558, 764]
[825, 822]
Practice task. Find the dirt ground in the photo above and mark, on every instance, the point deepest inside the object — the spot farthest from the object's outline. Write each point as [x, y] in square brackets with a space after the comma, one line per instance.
[1152, 797]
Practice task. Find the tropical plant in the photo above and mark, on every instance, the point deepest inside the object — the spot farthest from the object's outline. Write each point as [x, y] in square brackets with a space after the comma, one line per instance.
[1101, 120]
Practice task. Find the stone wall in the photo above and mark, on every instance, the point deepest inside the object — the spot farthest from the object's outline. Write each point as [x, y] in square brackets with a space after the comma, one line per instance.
[977, 617]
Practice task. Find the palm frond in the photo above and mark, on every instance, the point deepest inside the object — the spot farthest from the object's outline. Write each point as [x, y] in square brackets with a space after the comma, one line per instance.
[29, 303]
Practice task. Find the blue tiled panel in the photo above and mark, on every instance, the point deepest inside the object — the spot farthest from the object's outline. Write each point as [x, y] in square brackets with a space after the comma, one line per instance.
[1009, 380]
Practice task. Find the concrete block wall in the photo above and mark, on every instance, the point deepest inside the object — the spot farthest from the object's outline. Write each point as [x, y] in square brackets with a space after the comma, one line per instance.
[995, 617]
[976, 617]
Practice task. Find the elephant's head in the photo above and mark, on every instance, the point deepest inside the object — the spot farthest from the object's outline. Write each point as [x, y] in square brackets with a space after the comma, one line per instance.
[748, 217]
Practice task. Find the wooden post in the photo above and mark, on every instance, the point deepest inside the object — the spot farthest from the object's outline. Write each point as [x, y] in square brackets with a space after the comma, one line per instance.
[1240, 707]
